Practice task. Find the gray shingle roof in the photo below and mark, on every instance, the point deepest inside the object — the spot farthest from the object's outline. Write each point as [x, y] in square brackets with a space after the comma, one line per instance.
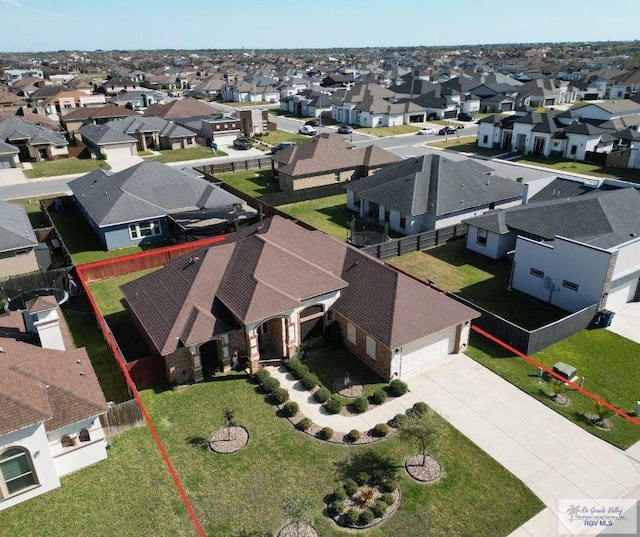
[6, 148]
[435, 185]
[104, 134]
[13, 128]
[163, 127]
[15, 228]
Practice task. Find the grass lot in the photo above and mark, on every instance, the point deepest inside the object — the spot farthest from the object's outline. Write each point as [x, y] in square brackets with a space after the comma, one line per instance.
[190, 153]
[466, 144]
[129, 494]
[381, 132]
[67, 166]
[445, 122]
[479, 279]
[586, 168]
[328, 214]
[32, 206]
[254, 183]
[609, 363]
[277, 136]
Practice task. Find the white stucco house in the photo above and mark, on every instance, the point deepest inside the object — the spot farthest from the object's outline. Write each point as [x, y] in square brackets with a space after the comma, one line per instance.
[50, 404]
[568, 251]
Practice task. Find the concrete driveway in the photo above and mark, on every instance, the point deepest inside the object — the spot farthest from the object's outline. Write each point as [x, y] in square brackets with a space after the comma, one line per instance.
[553, 457]
[626, 321]
[12, 176]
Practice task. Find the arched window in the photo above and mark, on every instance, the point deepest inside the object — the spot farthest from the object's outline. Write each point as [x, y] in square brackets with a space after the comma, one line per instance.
[66, 441]
[16, 471]
[84, 436]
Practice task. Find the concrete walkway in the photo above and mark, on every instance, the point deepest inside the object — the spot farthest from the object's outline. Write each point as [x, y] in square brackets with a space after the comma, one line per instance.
[626, 321]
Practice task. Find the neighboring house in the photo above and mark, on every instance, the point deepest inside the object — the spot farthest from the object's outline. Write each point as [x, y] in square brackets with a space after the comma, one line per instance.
[326, 159]
[20, 251]
[308, 103]
[66, 100]
[188, 107]
[254, 121]
[135, 205]
[207, 87]
[344, 103]
[11, 76]
[9, 100]
[430, 192]
[259, 294]
[568, 251]
[549, 92]
[34, 142]
[615, 115]
[155, 132]
[114, 86]
[249, 92]
[9, 156]
[138, 100]
[107, 142]
[75, 119]
[50, 404]
[222, 129]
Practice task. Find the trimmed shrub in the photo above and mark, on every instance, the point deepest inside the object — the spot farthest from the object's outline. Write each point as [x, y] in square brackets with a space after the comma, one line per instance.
[387, 498]
[279, 396]
[294, 363]
[290, 409]
[262, 375]
[325, 433]
[365, 517]
[378, 397]
[351, 517]
[379, 509]
[397, 387]
[350, 486]
[362, 478]
[339, 495]
[380, 430]
[420, 408]
[389, 485]
[334, 404]
[336, 508]
[304, 424]
[310, 381]
[322, 394]
[354, 435]
[298, 368]
[360, 405]
[398, 420]
[270, 384]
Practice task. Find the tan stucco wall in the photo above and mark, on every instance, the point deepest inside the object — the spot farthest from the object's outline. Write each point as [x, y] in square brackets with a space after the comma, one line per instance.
[11, 264]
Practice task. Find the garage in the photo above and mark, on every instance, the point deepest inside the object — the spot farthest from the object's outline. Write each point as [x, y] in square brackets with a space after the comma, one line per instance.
[117, 151]
[427, 350]
[6, 162]
[622, 292]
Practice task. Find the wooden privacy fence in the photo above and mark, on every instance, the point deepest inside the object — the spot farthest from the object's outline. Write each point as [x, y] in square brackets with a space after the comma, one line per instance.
[415, 243]
[43, 279]
[235, 166]
[121, 417]
[45, 206]
[304, 194]
[146, 371]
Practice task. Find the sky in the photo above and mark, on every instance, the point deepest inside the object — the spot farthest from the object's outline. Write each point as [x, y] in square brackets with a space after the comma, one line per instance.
[43, 25]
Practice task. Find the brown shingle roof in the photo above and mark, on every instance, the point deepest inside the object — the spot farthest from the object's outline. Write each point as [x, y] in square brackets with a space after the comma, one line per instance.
[106, 111]
[188, 107]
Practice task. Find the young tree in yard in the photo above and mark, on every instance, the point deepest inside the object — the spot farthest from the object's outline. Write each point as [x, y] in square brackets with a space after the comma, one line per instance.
[230, 420]
[418, 430]
[299, 511]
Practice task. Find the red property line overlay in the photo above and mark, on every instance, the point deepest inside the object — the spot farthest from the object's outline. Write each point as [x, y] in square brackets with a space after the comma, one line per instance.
[106, 333]
[553, 374]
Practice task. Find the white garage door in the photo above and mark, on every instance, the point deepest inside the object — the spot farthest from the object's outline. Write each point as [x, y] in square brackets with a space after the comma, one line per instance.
[621, 294]
[117, 152]
[427, 350]
[6, 162]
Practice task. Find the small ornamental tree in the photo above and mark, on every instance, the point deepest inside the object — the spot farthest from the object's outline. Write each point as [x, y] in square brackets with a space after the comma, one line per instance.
[418, 430]
[229, 420]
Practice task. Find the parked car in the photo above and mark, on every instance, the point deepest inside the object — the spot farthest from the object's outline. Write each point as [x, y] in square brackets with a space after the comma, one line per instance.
[308, 130]
[345, 129]
[447, 130]
[312, 122]
[463, 116]
[242, 143]
[426, 130]
[281, 146]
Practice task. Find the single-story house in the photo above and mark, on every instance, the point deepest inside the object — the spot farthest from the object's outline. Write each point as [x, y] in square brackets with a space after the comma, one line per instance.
[155, 132]
[327, 159]
[568, 251]
[259, 294]
[134, 205]
[20, 251]
[430, 192]
[50, 404]
[106, 141]
[138, 100]
[9, 156]
[78, 117]
[34, 142]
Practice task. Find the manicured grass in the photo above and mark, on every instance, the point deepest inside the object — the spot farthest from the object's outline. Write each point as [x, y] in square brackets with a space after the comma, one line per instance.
[254, 183]
[381, 132]
[328, 214]
[466, 144]
[236, 104]
[477, 278]
[243, 493]
[190, 153]
[67, 166]
[277, 136]
[446, 122]
[609, 363]
[129, 494]
[586, 168]
[32, 206]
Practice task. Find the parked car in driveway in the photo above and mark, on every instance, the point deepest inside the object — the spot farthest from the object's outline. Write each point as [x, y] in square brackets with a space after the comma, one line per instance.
[312, 122]
[463, 116]
[447, 130]
[345, 129]
[426, 130]
[242, 143]
[308, 130]
[281, 146]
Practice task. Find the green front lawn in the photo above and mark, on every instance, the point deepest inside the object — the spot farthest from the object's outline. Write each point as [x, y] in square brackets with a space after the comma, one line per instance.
[254, 183]
[190, 153]
[479, 279]
[277, 136]
[609, 363]
[465, 144]
[67, 166]
[328, 214]
[381, 132]
[446, 122]
[585, 168]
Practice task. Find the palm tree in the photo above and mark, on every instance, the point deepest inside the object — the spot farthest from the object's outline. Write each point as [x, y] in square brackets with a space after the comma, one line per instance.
[603, 413]
[558, 388]
[419, 431]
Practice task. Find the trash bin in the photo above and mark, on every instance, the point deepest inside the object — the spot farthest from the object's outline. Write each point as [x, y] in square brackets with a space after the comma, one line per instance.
[606, 318]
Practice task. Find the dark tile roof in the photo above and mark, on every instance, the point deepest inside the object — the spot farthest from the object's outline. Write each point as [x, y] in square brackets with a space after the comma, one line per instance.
[15, 228]
[187, 107]
[270, 268]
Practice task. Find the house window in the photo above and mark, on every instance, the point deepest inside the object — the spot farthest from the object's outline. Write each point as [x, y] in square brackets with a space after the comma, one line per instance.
[570, 285]
[403, 220]
[574, 148]
[66, 441]
[336, 177]
[485, 139]
[371, 347]
[356, 201]
[84, 435]
[351, 333]
[16, 470]
[189, 141]
[140, 230]
[537, 273]
[481, 237]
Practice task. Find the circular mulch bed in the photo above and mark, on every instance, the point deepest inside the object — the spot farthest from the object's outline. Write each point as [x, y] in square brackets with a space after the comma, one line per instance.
[600, 424]
[349, 503]
[427, 473]
[349, 387]
[220, 443]
[292, 530]
[561, 399]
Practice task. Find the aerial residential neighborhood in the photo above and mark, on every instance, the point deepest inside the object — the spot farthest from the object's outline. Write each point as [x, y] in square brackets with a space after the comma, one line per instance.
[295, 276]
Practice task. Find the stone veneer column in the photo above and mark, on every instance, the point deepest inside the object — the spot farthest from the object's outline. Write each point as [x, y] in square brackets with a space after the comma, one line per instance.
[196, 363]
[254, 351]
[606, 287]
[291, 343]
